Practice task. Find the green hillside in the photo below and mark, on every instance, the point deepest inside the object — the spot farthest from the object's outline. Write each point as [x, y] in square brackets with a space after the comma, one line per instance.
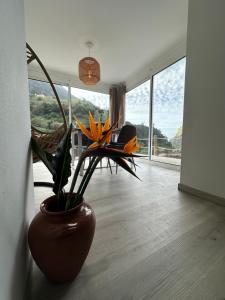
[46, 116]
[37, 87]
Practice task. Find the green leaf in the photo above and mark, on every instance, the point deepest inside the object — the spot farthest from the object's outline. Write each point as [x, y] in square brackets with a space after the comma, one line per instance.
[61, 163]
[43, 155]
[132, 162]
[122, 163]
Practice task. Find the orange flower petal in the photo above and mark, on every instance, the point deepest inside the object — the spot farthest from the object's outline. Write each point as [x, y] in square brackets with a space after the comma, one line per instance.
[93, 127]
[106, 137]
[132, 141]
[99, 129]
[132, 146]
[135, 148]
[94, 145]
[107, 124]
[84, 130]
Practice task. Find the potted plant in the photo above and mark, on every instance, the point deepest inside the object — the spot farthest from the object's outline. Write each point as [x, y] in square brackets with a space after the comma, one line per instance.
[61, 234]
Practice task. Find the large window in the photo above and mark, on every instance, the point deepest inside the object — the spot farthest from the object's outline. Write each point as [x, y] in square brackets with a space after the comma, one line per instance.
[45, 112]
[137, 112]
[167, 116]
[84, 101]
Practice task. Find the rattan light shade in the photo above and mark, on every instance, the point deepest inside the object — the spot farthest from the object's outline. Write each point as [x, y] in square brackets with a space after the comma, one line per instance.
[89, 70]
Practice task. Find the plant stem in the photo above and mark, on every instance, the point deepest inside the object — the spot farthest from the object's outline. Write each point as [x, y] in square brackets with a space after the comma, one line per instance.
[86, 174]
[76, 173]
[69, 199]
[78, 199]
[59, 198]
[89, 177]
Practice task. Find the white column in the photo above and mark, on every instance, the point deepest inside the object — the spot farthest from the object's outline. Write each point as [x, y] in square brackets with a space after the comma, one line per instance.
[16, 178]
[203, 154]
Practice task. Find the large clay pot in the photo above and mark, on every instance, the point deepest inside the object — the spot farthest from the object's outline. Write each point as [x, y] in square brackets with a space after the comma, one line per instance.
[60, 241]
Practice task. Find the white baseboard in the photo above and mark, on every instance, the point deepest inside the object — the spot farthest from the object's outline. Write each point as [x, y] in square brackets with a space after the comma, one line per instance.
[203, 195]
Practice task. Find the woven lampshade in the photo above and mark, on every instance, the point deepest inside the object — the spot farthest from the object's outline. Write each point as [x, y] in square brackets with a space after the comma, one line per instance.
[89, 70]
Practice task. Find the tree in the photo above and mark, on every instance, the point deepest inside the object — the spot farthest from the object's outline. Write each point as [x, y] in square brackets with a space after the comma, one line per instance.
[45, 113]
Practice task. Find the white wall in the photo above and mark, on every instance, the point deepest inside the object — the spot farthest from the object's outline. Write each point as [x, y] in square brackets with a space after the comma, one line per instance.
[16, 189]
[203, 158]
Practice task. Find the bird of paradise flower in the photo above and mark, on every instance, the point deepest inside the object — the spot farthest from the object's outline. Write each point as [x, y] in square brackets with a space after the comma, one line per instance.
[101, 147]
[98, 133]
[101, 134]
[59, 164]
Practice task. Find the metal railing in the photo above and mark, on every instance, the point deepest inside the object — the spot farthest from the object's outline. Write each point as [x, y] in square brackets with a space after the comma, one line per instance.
[144, 149]
[162, 146]
[168, 148]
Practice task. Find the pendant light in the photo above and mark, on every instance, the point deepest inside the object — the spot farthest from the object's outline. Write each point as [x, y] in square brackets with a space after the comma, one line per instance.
[89, 68]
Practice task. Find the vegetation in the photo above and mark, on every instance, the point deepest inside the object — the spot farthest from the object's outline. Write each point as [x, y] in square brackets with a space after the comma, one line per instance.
[143, 136]
[162, 140]
[46, 116]
[81, 109]
[37, 87]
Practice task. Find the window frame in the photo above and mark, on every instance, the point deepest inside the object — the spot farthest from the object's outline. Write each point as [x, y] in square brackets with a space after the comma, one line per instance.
[151, 78]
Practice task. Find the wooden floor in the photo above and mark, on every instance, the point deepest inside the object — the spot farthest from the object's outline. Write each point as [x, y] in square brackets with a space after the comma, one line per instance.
[151, 242]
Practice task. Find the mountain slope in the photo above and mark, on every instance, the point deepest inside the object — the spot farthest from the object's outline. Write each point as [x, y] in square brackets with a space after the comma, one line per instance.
[37, 87]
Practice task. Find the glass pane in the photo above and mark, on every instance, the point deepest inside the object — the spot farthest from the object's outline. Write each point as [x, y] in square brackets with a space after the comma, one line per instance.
[45, 113]
[137, 112]
[84, 101]
[168, 100]
[62, 91]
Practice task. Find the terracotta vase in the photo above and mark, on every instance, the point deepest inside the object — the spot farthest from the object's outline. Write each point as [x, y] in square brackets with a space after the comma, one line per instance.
[60, 241]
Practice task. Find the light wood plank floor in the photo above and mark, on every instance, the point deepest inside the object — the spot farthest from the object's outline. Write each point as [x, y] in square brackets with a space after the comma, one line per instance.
[151, 241]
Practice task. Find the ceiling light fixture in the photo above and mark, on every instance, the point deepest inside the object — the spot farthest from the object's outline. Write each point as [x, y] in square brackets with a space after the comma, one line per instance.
[89, 68]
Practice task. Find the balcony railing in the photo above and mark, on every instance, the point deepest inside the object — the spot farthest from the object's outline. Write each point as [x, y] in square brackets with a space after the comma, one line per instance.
[163, 149]
[144, 149]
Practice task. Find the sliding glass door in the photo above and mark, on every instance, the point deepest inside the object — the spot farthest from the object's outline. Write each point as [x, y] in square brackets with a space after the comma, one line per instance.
[137, 113]
[167, 113]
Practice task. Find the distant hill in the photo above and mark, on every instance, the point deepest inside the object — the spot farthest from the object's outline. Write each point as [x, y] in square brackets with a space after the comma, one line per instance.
[43, 88]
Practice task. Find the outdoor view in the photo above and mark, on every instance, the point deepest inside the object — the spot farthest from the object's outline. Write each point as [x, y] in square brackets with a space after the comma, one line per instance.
[167, 114]
[45, 113]
[137, 112]
[84, 101]
[168, 100]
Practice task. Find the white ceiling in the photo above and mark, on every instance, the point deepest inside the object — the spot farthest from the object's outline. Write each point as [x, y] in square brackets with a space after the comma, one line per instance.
[128, 34]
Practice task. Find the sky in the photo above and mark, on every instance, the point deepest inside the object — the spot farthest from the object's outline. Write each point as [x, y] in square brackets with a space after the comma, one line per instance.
[168, 99]
[98, 99]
